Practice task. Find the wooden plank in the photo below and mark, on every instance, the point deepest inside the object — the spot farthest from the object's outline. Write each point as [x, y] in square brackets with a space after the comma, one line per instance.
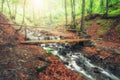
[54, 41]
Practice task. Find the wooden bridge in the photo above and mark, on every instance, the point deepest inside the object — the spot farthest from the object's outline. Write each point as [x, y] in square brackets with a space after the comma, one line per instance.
[54, 41]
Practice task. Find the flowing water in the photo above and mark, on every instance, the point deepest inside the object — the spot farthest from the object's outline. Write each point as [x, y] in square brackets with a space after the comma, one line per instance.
[76, 61]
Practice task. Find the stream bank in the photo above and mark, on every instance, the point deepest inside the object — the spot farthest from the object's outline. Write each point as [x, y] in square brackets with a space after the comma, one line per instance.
[90, 64]
[19, 62]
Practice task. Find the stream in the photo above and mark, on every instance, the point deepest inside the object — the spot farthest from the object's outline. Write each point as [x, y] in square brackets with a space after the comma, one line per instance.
[75, 60]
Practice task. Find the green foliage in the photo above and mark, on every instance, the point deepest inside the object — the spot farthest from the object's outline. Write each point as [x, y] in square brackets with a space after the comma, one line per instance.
[88, 22]
[49, 51]
[78, 27]
[117, 11]
[52, 12]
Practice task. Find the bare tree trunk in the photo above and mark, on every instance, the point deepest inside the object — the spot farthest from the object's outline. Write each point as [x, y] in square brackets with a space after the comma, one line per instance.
[9, 9]
[15, 12]
[83, 17]
[33, 14]
[71, 9]
[74, 21]
[91, 7]
[66, 18]
[107, 8]
[14, 7]
[23, 21]
[73, 12]
[2, 5]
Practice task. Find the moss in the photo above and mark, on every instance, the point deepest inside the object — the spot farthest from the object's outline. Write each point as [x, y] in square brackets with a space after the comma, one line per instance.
[104, 25]
[99, 22]
[49, 51]
[88, 23]
[78, 27]
[118, 28]
[118, 35]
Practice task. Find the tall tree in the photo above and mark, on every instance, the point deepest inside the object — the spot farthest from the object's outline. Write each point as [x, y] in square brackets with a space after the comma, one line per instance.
[73, 12]
[66, 18]
[83, 17]
[23, 21]
[33, 14]
[15, 3]
[74, 18]
[2, 5]
[8, 4]
[107, 7]
[91, 7]
[102, 6]
[24, 3]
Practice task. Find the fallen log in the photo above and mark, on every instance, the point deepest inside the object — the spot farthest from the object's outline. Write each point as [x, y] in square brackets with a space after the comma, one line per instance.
[54, 41]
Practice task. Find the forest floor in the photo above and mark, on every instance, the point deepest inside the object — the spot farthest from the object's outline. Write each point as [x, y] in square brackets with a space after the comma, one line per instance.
[106, 43]
[19, 62]
[22, 62]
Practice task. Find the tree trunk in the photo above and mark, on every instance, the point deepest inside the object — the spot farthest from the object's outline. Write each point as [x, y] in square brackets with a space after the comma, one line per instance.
[23, 21]
[83, 17]
[66, 13]
[74, 21]
[2, 5]
[33, 14]
[107, 7]
[15, 13]
[9, 9]
[91, 7]
[73, 13]
[71, 10]
[102, 5]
